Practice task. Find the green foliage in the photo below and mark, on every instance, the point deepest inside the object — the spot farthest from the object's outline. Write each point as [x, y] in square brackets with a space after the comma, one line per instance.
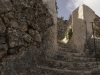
[64, 35]
[62, 17]
[70, 34]
[56, 6]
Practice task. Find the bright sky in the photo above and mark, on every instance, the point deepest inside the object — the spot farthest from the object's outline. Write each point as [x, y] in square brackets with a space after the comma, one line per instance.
[67, 6]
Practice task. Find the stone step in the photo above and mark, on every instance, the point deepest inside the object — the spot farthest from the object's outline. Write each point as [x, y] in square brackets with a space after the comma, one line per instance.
[69, 50]
[53, 71]
[81, 59]
[78, 54]
[71, 57]
[69, 65]
[61, 52]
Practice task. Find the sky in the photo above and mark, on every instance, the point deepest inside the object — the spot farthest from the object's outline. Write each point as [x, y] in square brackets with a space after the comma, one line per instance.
[67, 6]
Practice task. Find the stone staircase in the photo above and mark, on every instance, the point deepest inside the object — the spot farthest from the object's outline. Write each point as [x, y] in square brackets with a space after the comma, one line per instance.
[68, 62]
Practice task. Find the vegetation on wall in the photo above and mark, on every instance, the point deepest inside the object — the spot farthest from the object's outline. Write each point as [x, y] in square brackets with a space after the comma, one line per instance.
[69, 34]
[61, 28]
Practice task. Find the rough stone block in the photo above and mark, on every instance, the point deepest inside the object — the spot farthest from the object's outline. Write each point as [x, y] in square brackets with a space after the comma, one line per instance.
[14, 37]
[3, 49]
[27, 38]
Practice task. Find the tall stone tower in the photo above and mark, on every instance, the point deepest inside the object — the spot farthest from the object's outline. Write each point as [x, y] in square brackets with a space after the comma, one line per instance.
[79, 16]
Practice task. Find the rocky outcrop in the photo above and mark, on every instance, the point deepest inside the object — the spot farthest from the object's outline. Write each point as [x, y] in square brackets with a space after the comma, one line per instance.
[28, 34]
[61, 28]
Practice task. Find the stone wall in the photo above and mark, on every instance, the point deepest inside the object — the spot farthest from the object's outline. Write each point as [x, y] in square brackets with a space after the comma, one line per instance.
[52, 31]
[28, 34]
[61, 28]
[79, 17]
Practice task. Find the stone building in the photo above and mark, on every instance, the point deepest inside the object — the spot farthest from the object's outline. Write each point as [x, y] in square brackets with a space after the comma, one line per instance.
[81, 26]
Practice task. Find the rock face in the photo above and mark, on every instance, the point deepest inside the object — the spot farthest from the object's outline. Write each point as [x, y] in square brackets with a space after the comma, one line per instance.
[79, 17]
[28, 34]
[61, 28]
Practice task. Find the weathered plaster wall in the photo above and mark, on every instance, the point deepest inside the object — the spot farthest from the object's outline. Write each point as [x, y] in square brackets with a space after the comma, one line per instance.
[79, 16]
[89, 16]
